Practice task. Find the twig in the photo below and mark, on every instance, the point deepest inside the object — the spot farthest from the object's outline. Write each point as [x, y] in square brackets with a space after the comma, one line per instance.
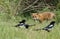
[30, 5]
[15, 10]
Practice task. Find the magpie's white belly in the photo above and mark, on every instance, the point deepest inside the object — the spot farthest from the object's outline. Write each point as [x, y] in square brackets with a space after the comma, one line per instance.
[22, 26]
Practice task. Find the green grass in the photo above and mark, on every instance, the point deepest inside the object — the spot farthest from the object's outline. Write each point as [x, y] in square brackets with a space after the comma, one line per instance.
[8, 31]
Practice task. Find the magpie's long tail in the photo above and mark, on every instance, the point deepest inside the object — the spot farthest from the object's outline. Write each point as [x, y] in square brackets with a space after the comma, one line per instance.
[32, 25]
[42, 29]
[17, 25]
[37, 29]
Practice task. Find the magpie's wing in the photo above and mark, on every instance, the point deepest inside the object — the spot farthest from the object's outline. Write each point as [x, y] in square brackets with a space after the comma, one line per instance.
[50, 26]
[45, 27]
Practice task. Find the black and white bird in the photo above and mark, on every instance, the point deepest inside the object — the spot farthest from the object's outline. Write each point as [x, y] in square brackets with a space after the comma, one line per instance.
[23, 24]
[48, 27]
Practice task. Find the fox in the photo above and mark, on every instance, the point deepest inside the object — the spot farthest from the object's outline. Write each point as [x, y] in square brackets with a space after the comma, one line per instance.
[43, 16]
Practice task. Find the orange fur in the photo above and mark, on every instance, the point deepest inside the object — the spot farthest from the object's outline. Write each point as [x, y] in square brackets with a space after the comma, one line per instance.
[48, 15]
[43, 16]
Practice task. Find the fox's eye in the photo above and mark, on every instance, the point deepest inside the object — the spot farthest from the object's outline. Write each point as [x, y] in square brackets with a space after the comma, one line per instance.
[34, 16]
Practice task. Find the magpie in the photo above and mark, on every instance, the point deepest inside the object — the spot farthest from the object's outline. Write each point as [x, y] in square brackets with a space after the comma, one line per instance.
[48, 27]
[22, 23]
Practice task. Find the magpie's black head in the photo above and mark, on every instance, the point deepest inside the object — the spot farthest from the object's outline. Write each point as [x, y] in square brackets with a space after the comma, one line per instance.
[23, 21]
[52, 22]
[26, 26]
